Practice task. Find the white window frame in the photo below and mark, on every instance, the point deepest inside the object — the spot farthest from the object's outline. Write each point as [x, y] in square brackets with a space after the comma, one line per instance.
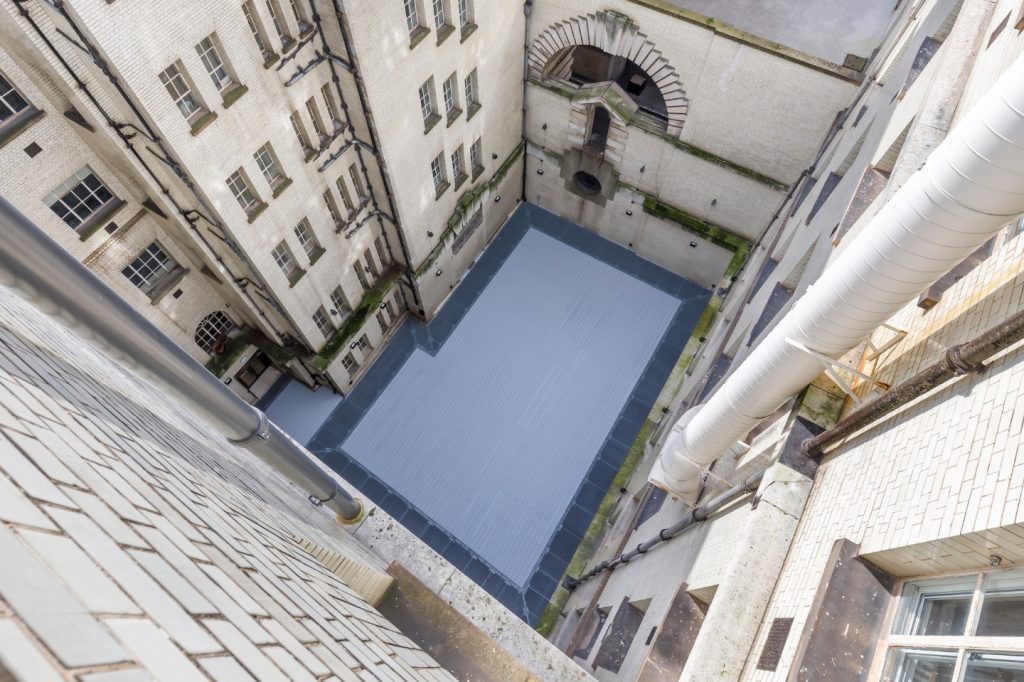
[300, 132]
[259, 34]
[332, 108]
[339, 303]
[437, 171]
[895, 644]
[346, 196]
[177, 85]
[240, 187]
[476, 154]
[10, 97]
[266, 159]
[465, 12]
[458, 165]
[323, 322]
[412, 14]
[332, 209]
[217, 69]
[318, 122]
[211, 328]
[440, 13]
[451, 98]
[150, 267]
[81, 190]
[357, 183]
[471, 86]
[282, 255]
[427, 105]
[307, 238]
[280, 25]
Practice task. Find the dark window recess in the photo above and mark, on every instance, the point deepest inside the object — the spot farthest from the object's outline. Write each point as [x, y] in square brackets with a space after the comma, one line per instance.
[253, 370]
[76, 117]
[600, 124]
[860, 115]
[591, 65]
[809, 183]
[998, 30]
[718, 372]
[672, 640]
[591, 629]
[650, 635]
[151, 206]
[826, 191]
[111, 228]
[620, 636]
[652, 506]
[586, 183]
[924, 55]
[871, 185]
[776, 302]
[33, 150]
[772, 652]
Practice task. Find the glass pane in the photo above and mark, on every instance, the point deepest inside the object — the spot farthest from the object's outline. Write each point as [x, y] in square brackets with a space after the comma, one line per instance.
[990, 667]
[909, 665]
[936, 607]
[1002, 611]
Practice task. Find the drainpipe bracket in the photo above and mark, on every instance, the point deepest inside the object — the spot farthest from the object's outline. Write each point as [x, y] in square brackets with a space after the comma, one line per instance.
[262, 432]
[954, 356]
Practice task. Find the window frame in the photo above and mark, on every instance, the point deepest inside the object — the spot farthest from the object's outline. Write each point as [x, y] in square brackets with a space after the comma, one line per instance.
[323, 322]
[86, 224]
[439, 10]
[357, 183]
[159, 278]
[267, 161]
[283, 256]
[205, 57]
[890, 643]
[259, 33]
[280, 24]
[180, 79]
[19, 118]
[252, 208]
[202, 327]
[307, 240]
[438, 174]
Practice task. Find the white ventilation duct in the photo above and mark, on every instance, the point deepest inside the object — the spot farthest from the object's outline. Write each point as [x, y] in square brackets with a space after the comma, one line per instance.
[971, 186]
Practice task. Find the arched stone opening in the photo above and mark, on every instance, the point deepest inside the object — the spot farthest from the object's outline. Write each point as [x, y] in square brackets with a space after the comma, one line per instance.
[608, 47]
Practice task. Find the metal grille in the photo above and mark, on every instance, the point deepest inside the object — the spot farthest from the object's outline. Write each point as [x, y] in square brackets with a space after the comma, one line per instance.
[773, 645]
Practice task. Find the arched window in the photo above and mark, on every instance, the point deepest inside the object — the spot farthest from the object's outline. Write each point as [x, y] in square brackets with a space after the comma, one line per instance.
[212, 332]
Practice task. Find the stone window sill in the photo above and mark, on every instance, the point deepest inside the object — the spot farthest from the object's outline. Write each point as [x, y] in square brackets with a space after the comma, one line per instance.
[202, 122]
[430, 122]
[477, 171]
[165, 285]
[453, 115]
[472, 109]
[294, 278]
[444, 32]
[467, 31]
[281, 185]
[94, 222]
[270, 59]
[234, 94]
[254, 212]
[18, 123]
[460, 179]
[417, 35]
[441, 189]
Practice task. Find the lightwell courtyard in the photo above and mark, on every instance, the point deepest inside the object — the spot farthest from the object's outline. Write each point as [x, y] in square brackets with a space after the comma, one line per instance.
[495, 431]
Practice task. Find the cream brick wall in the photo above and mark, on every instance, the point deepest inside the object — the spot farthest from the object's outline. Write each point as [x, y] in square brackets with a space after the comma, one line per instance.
[143, 543]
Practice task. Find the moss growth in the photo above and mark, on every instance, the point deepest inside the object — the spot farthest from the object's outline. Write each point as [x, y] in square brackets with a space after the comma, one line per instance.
[466, 202]
[234, 95]
[220, 363]
[739, 246]
[591, 540]
[371, 302]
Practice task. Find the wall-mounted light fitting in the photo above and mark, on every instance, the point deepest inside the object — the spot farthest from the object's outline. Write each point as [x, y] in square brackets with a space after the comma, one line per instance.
[383, 305]
[540, 171]
[693, 244]
[714, 201]
[429, 233]
[497, 198]
[643, 168]
[629, 211]
[544, 127]
[438, 273]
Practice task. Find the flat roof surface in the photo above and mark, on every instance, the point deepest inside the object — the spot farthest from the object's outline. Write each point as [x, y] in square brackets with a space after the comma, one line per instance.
[828, 29]
[495, 431]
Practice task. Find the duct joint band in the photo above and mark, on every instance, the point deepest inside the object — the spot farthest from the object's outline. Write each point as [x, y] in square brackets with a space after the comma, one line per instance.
[262, 431]
[954, 356]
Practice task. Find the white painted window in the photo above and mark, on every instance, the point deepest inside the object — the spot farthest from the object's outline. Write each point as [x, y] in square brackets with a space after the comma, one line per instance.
[427, 106]
[332, 108]
[267, 161]
[178, 88]
[960, 627]
[357, 183]
[280, 27]
[207, 50]
[314, 115]
[346, 196]
[349, 363]
[149, 268]
[440, 13]
[307, 240]
[213, 330]
[437, 171]
[465, 12]
[457, 165]
[300, 131]
[11, 101]
[79, 197]
[363, 343]
[382, 250]
[476, 154]
[339, 304]
[332, 208]
[298, 9]
[256, 26]
[471, 89]
[239, 186]
[451, 102]
[323, 321]
[284, 259]
[412, 14]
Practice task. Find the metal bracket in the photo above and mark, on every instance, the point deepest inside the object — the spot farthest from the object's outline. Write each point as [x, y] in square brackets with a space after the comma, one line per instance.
[262, 431]
[831, 364]
[876, 351]
[317, 502]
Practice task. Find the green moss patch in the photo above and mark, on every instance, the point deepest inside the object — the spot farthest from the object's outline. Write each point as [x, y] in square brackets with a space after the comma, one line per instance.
[739, 246]
[370, 303]
[592, 539]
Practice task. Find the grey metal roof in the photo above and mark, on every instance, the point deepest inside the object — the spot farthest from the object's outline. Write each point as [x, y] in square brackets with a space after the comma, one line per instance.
[492, 436]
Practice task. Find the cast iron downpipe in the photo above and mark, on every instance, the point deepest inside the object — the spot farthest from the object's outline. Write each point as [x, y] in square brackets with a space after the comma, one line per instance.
[43, 273]
[958, 360]
[970, 187]
[699, 514]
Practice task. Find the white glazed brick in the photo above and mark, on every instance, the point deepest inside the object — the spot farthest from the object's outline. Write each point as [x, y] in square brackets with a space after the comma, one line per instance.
[154, 650]
[20, 656]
